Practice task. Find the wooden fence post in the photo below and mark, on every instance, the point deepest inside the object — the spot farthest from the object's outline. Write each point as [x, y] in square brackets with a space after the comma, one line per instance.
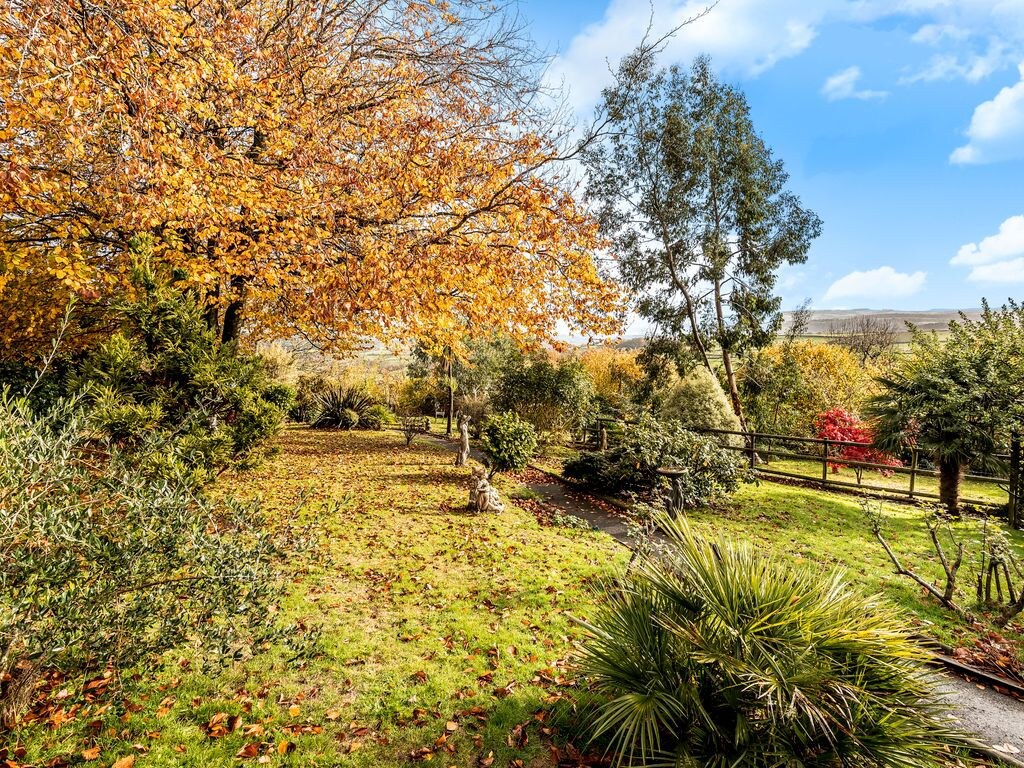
[824, 461]
[913, 470]
[753, 450]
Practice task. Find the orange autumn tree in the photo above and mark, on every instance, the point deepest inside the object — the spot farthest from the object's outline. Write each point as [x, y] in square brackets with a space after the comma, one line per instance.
[328, 168]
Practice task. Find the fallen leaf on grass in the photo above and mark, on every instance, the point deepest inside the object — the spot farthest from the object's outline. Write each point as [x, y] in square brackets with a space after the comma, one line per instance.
[249, 751]
[422, 754]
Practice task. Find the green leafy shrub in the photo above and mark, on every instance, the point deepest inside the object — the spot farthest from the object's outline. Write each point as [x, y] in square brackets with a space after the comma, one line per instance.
[307, 390]
[712, 653]
[341, 407]
[478, 408]
[377, 417]
[508, 442]
[165, 371]
[281, 396]
[104, 562]
[697, 401]
[553, 397]
[709, 470]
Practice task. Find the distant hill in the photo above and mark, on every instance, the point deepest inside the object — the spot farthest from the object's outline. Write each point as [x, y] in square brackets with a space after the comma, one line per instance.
[821, 320]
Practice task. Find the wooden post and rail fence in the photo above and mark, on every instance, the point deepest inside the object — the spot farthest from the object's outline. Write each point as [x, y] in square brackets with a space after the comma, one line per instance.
[780, 456]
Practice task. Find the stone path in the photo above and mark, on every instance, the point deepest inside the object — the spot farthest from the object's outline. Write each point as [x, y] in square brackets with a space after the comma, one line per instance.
[996, 720]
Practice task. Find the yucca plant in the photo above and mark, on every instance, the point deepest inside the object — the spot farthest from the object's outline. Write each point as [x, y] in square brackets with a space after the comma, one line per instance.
[335, 406]
[710, 653]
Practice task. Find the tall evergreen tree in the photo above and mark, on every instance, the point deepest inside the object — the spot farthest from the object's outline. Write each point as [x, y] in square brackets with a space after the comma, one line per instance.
[696, 207]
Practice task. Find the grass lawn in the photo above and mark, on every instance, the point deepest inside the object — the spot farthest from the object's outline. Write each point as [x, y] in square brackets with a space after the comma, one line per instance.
[969, 489]
[423, 632]
[440, 633]
[831, 529]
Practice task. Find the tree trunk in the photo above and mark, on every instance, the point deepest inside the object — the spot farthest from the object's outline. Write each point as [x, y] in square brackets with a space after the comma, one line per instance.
[212, 318]
[951, 472]
[730, 374]
[451, 397]
[233, 314]
[734, 392]
[1014, 511]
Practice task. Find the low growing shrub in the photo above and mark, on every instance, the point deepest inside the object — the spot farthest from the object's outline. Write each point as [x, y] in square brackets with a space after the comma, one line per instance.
[349, 419]
[104, 562]
[710, 471]
[508, 442]
[377, 417]
[697, 401]
[709, 652]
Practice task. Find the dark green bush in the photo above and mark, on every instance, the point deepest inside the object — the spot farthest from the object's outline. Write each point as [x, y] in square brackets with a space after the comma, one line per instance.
[165, 371]
[508, 442]
[340, 407]
[104, 561]
[710, 653]
[377, 417]
[631, 465]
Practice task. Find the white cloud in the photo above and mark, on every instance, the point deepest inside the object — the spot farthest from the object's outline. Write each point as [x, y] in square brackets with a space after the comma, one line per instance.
[996, 131]
[933, 34]
[972, 67]
[973, 38]
[997, 258]
[881, 283]
[743, 36]
[843, 85]
[1011, 271]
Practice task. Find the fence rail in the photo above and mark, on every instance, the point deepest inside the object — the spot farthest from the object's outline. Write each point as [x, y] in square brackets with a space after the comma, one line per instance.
[760, 446]
[761, 449]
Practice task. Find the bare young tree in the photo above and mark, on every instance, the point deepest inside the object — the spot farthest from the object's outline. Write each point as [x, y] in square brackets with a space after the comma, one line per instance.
[869, 337]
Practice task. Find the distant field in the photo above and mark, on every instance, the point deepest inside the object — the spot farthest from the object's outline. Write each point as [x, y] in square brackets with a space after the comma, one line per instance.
[819, 324]
[820, 321]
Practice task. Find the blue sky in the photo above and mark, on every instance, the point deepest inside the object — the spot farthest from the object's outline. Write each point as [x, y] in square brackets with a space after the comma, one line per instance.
[901, 123]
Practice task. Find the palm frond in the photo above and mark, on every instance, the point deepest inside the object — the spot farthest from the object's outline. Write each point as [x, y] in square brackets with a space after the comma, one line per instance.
[713, 653]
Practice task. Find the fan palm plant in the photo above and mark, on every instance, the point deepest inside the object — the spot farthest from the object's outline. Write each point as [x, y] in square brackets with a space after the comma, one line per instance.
[338, 406]
[710, 653]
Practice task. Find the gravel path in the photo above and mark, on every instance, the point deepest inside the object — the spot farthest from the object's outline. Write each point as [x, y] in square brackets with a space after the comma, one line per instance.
[997, 721]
